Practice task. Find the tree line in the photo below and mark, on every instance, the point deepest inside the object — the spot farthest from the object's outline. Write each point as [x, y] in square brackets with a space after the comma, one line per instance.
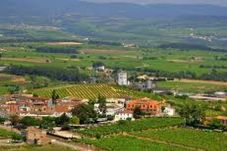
[57, 49]
[61, 74]
[185, 46]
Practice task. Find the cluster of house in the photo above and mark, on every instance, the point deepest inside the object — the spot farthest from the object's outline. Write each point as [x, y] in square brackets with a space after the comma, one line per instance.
[123, 109]
[36, 106]
[119, 108]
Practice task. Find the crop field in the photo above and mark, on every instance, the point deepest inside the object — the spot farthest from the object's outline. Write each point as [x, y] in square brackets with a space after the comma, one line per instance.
[139, 125]
[130, 58]
[81, 91]
[126, 143]
[193, 85]
[212, 141]
[92, 91]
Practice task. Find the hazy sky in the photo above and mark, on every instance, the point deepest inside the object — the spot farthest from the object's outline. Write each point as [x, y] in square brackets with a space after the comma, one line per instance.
[215, 2]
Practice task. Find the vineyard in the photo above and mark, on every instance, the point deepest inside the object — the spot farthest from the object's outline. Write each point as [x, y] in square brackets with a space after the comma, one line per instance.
[82, 91]
[90, 91]
[125, 143]
[188, 137]
[127, 126]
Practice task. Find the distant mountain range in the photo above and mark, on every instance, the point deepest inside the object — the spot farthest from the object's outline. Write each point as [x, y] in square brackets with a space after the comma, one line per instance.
[48, 8]
[148, 25]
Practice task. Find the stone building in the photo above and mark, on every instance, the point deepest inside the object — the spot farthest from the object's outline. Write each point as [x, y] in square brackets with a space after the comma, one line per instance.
[36, 136]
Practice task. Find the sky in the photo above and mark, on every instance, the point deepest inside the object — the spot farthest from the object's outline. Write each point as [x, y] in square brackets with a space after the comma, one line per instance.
[213, 2]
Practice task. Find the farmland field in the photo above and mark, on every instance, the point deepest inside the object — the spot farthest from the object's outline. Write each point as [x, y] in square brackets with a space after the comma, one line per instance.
[138, 125]
[81, 91]
[6, 81]
[163, 139]
[91, 91]
[125, 143]
[211, 141]
[193, 85]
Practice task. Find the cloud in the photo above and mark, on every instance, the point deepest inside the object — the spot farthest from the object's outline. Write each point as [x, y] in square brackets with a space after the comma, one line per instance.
[213, 2]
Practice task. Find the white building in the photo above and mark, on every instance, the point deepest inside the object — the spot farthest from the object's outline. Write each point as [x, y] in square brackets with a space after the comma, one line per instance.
[124, 115]
[169, 111]
[116, 101]
[122, 78]
[111, 108]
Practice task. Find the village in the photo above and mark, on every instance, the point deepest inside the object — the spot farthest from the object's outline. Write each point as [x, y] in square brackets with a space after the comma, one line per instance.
[43, 120]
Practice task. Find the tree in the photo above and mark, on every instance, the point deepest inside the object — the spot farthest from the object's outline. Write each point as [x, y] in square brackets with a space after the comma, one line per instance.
[16, 137]
[102, 104]
[63, 119]
[54, 96]
[2, 120]
[193, 114]
[137, 113]
[48, 123]
[74, 120]
[85, 113]
[30, 121]
[215, 124]
[14, 119]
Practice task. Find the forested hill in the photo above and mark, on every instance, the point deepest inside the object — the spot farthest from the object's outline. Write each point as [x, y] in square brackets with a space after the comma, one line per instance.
[49, 8]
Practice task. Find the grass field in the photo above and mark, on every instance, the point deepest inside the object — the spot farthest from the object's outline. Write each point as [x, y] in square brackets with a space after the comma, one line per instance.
[211, 141]
[6, 134]
[6, 80]
[193, 86]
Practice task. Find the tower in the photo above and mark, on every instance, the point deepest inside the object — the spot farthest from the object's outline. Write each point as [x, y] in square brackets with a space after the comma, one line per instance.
[122, 78]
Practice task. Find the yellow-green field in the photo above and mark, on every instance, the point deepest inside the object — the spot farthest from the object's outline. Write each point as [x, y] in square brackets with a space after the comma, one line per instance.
[193, 85]
[92, 91]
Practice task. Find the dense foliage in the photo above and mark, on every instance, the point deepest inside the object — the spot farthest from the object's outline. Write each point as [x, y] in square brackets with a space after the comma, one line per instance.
[193, 114]
[185, 46]
[51, 72]
[85, 112]
[57, 49]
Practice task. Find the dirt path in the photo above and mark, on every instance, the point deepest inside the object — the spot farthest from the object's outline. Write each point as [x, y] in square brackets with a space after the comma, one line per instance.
[72, 145]
[164, 142]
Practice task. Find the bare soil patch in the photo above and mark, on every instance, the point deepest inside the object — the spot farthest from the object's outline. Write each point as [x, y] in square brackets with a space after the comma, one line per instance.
[105, 51]
[203, 82]
[64, 43]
